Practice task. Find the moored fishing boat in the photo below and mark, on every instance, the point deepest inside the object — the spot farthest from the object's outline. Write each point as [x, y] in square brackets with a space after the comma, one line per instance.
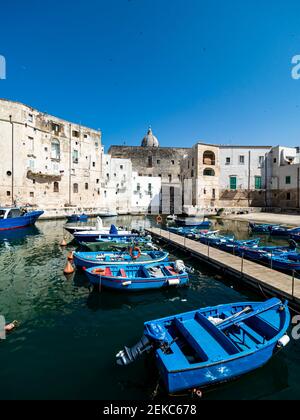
[77, 218]
[95, 235]
[132, 277]
[133, 257]
[193, 222]
[17, 218]
[261, 228]
[119, 244]
[213, 345]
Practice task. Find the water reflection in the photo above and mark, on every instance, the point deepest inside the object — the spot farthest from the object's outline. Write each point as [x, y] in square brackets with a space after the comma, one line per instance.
[17, 236]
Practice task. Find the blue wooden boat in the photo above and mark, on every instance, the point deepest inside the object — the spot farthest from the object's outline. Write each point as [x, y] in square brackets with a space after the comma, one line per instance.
[283, 231]
[94, 259]
[193, 222]
[213, 345]
[285, 261]
[261, 228]
[132, 277]
[17, 218]
[77, 218]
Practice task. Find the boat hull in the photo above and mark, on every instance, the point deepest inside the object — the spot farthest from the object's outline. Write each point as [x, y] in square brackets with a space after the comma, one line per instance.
[136, 284]
[89, 259]
[20, 222]
[215, 374]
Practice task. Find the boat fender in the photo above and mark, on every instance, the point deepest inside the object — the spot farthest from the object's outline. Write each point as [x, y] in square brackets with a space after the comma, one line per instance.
[10, 327]
[198, 393]
[173, 282]
[126, 283]
[283, 342]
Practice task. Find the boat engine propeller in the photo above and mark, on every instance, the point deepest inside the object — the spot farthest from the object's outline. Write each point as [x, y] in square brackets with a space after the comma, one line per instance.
[129, 355]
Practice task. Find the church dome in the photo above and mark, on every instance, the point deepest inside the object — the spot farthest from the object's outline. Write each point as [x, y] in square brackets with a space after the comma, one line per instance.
[150, 140]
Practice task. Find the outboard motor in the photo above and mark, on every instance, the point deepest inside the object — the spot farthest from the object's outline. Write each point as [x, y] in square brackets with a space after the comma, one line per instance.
[129, 355]
[180, 266]
[113, 230]
[293, 244]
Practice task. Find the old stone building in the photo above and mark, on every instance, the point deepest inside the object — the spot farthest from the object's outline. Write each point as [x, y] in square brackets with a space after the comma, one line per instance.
[47, 162]
[225, 176]
[152, 161]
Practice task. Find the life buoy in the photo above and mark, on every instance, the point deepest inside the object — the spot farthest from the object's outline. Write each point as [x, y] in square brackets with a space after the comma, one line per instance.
[132, 253]
[100, 271]
[159, 219]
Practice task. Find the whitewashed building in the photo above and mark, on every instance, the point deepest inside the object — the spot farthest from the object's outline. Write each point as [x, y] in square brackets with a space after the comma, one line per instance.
[117, 184]
[146, 194]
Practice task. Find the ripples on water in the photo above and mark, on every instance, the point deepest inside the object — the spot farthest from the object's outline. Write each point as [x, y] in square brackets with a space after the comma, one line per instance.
[69, 335]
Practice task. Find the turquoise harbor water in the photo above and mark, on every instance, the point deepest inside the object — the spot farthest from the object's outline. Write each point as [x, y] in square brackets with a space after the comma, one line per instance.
[66, 344]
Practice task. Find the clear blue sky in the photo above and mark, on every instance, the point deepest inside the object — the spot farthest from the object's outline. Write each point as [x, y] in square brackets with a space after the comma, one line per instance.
[211, 70]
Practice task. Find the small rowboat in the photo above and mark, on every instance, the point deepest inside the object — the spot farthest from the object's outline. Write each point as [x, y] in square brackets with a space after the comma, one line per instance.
[77, 218]
[118, 245]
[94, 259]
[94, 236]
[133, 277]
[193, 222]
[261, 228]
[213, 345]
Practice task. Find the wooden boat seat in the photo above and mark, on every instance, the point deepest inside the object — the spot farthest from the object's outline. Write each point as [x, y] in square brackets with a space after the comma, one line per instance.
[171, 271]
[256, 337]
[108, 271]
[201, 340]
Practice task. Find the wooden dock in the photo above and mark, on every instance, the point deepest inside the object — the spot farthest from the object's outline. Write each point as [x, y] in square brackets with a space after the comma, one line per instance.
[268, 281]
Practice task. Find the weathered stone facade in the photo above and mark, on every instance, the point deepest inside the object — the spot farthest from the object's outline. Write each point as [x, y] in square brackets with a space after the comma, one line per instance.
[152, 161]
[47, 162]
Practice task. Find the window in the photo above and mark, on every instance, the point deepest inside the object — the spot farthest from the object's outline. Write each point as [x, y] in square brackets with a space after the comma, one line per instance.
[192, 173]
[158, 162]
[288, 196]
[8, 173]
[288, 180]
[30, 118]
[193, 162]
[55, 149]
[31, 194]
[170, 179]
[208, 172]
[94, 164]
[213, 193]
[75, 188]
[149, 188]
[173, 162]
[86, 186]
[75, 156]
[56, 128]
[56, 187]
[258, 183]
[31, 144]
[75, 134]
[228, 161]
[261, 161]
[105, 194]
[121, 167]
[275, 160]
[233, 183]
[242, 160]
[209, 158]
[150, 162]
[97, 181]
[138, 187]
[8, 193]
